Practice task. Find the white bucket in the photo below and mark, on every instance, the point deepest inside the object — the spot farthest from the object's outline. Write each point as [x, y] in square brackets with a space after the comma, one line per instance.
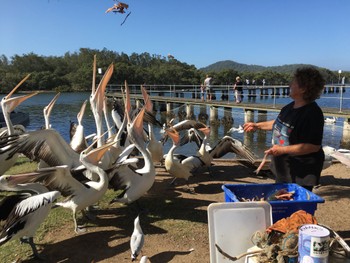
[313, 244]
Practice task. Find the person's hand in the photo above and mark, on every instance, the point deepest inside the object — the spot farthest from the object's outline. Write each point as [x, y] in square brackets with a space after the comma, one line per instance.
[276, 150]
[250, 126]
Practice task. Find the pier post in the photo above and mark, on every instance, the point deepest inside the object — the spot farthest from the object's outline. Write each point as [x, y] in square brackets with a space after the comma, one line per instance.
[345, 141]
[168, 108]
[213, 116]
[227, 119]
[248, 136]
[189, 111]
[248, 115]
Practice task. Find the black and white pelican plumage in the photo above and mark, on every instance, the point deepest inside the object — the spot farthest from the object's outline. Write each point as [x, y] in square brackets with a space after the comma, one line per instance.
[134, 182]
[137, 239]
[22, 214]
[181, 166]
[8, 104]
[47, 110]
[155, 146]
[79, 195]
[228, 144]
[78, 141]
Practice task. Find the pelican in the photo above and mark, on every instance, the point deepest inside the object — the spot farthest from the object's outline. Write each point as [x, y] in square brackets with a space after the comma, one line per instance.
[137, 239]
[182, 166]
[134, 182]
[228, 144]
[342, 155]
[79, 195]
[97, 99]
[78, 141]
[8, 104]
[47, 110]
[154, 146]
[22, 214]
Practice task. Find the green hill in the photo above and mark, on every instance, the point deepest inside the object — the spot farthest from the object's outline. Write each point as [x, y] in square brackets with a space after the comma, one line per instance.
[229, 64]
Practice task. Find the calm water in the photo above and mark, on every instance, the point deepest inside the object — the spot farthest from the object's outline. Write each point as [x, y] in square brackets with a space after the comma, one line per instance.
[68, 105]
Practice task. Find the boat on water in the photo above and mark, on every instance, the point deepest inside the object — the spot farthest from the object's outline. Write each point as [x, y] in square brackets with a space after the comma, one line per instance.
[16, 118]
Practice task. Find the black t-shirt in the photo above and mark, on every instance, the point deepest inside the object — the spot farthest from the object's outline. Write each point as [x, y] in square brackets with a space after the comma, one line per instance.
[294, 126]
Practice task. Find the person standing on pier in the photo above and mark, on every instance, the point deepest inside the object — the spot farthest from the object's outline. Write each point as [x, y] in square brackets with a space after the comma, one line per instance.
[297, 132]
[207, 85]
[238, 88]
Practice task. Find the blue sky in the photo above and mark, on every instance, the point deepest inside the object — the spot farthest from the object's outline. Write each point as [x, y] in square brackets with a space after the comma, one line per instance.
[260, 32]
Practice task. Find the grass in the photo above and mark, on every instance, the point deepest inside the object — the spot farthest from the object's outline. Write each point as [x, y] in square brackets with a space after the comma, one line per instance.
[170, 213]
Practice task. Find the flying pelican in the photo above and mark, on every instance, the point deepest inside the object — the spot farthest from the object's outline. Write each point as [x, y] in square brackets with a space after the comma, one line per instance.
[22, 214]
[134, 182]
[8, 104]
[137, 239]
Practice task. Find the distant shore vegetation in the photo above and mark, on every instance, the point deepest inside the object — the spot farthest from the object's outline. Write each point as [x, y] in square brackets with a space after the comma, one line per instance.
[72, 72]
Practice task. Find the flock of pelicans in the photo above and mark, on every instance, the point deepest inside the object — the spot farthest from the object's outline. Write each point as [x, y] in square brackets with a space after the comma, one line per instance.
[122, 158]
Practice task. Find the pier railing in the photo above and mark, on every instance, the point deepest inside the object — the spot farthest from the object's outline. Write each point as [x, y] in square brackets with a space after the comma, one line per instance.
[335, 96]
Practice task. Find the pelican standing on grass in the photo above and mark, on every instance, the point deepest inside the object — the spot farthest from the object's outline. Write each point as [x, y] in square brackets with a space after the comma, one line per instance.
[22, 214]
[79, 195]
[8, 104]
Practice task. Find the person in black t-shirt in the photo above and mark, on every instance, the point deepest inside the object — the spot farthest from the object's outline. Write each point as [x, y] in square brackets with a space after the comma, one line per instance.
[297, 132]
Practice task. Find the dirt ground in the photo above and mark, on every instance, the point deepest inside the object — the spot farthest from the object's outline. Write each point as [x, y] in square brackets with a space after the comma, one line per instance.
[175, 226]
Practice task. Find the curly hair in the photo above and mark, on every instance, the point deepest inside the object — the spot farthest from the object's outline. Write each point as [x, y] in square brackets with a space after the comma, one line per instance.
[311, 80]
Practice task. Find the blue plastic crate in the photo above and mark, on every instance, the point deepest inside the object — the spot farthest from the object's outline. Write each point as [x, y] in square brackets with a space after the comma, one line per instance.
[303, 198]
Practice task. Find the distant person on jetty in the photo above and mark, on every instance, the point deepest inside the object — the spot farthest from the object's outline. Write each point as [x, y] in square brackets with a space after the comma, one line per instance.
[238, 88]
[207, 85]
[297, 132]
[202, 92]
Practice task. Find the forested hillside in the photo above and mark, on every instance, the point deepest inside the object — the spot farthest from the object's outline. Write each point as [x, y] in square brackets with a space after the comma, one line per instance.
[73, 71]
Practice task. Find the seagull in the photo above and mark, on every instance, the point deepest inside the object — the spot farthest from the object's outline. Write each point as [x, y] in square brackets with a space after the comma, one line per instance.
[238, 130]
[144, 259]
[22, 214]
[137, 239]
[330, 120]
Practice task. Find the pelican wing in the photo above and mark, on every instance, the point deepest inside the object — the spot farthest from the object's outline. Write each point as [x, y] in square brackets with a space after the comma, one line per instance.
[46, 145]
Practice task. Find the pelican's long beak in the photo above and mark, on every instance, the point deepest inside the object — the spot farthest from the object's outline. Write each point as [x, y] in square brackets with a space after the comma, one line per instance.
[127, 102]
[138, 123]
[80, 114]
[23, 178]
[12, 103]
[148, 102]
[95, 155]
[174, 135]
[49, 106]
[15, 88]
[98, 95]
[205, 130]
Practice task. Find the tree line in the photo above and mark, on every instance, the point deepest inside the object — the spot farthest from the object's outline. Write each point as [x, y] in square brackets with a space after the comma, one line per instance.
[73, 71]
